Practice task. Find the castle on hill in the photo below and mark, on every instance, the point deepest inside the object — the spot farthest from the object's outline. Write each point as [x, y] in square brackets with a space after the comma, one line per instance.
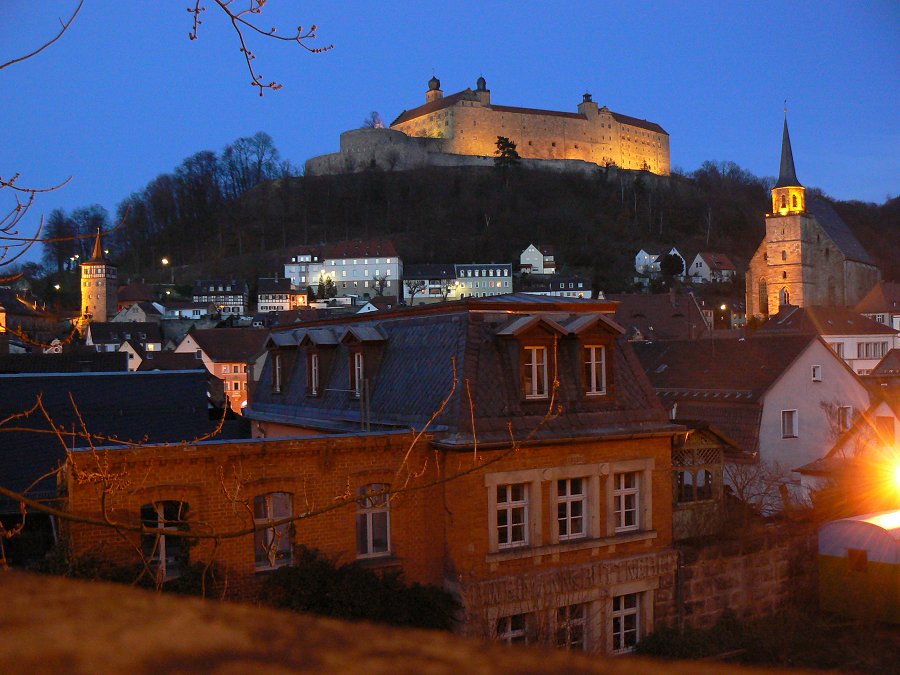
[462, 129]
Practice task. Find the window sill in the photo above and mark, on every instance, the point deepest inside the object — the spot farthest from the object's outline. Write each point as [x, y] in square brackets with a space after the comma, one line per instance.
[379, 561]
[566, 546]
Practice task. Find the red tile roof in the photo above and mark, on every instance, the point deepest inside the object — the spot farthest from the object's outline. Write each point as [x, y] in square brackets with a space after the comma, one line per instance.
[823, 321]
[467, 94]
[884, 297]
[717, 261]
[230, 344]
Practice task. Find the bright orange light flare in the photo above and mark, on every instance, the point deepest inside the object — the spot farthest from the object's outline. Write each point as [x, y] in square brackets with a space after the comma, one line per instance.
[897, 477]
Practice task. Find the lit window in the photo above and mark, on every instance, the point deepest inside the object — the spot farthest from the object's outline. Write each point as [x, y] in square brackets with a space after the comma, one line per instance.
[167, 555]
[626, 622]
[272, 545]
[373, 521]
[512, 515]
[625, 501]
[535, 372]
[789, 424]
[570, 509]
[595, 370]
[570, 627]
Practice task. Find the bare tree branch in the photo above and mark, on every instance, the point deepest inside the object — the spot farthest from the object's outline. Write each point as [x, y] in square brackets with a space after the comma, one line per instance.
[64, 26]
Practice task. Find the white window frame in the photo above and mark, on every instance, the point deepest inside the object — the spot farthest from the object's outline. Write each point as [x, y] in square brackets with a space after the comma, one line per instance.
[618, 616]
[621, 495]
[538, 388]
[266, 539]
[790, 418]
[372, 504]
[572, 626]
[592, 363]
[817, 373]
[276, 373]
[513, 629]
[357, 372]
[510, 507]
[160, 559]
[569, 501]
[314, 374]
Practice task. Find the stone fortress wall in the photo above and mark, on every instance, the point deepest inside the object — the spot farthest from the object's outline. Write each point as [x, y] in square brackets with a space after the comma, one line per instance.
[462, 130]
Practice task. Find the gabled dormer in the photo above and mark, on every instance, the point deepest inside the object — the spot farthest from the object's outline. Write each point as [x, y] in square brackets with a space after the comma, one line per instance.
[788, 195]
[534, 350]
[593, 339]
[319, 346]
[364, 347]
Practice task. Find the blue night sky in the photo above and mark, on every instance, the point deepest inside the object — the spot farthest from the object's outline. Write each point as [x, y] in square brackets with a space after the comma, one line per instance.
[125, 96]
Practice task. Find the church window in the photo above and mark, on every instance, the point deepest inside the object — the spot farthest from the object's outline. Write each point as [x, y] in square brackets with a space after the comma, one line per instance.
[783, 202]
[794, 201]
[784, 275]
[784, 255]
[763, 297]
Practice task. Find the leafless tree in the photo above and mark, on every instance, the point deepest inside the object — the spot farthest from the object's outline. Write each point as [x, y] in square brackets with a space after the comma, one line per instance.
[413, 287]
[379, 284]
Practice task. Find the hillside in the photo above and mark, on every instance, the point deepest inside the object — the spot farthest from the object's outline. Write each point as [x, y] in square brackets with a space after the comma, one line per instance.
[596, 223]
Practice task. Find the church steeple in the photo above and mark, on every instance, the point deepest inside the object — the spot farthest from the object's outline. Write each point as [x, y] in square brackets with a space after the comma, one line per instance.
[98, 255]
[98, 286]
[788, 196]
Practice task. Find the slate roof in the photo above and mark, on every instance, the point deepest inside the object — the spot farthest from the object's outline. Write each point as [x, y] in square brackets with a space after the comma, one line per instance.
[429, 271]
[817, 320]
[720, 381]
[268, 285]
[230, 344]
[119, 331]
[13, 304]
[884, 297]
[468, 95]
[361, 248]
[169, 360]
[135, 292]
[158, 407]
[838, 231]
[660, 316]
[414, 367]
[81, 361]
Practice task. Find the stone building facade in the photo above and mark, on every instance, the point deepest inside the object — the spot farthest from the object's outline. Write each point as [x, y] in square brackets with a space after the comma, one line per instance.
[99, 282]
[809, 256]
[462, 129]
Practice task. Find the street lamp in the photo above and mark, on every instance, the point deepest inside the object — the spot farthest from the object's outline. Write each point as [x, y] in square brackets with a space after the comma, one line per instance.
[165, 263]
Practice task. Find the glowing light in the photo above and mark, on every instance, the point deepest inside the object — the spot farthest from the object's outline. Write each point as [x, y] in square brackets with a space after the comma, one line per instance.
[723, 307]
[897, 477]
[165, 261]
[889, 520]
[56, 286]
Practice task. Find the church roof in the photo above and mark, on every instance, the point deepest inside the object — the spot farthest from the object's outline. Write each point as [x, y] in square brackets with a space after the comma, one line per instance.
[819, 320]
[787, 175]
[467, 94]
[838, 231]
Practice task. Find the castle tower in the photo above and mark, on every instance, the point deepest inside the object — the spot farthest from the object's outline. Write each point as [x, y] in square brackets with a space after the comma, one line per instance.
[434, 90]
[482, 92]
[98, 286]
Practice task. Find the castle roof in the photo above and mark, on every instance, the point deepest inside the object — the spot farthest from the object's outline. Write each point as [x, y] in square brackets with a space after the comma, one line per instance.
[787, 176]
[468, 95]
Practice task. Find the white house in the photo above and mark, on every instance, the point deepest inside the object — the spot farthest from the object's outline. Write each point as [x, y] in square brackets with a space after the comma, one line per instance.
[708, 266]
[298, 269]
[860, 341]
[648, 264]
[537, 260]
[882, 304]
[279, 295]
[356, 267]
[785, 397]
[479, 280]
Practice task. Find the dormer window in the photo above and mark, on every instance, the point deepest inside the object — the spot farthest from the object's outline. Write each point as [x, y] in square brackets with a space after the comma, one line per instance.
[276, 373]
[312, 374]
[594, 370]
[356, 374]
[534, 377]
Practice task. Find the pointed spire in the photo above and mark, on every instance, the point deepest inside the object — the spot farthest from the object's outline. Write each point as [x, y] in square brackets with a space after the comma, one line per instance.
[787, 176]
[98, 248]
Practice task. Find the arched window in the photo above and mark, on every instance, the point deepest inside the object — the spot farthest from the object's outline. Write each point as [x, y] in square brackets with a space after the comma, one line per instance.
[784, 297]
[784, 275]
[763, 297]
[794, 201]
[783, 202]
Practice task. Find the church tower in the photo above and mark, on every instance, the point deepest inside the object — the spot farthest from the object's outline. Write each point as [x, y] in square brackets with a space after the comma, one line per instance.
[788, 196]
[98, 286]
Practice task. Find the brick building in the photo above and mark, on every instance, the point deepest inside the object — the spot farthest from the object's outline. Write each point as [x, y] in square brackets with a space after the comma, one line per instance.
[556, 521]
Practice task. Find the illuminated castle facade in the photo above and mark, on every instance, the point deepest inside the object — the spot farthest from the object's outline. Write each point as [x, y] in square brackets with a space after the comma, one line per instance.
[462, 129]
[809, 256]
